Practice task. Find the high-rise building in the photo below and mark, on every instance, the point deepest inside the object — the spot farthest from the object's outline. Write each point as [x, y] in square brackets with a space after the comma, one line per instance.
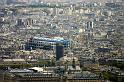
[20, 22]
[59, 51]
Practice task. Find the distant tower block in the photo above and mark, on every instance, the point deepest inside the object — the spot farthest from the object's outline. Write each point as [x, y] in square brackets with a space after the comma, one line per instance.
[89, 24]
[20, 22]
[29, 22]
[59, 51]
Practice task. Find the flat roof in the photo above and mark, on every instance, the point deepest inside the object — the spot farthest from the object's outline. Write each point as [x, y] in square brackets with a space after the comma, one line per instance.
[54, 39]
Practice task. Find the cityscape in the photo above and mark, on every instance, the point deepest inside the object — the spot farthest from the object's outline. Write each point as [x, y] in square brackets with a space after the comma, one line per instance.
[61, 40]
